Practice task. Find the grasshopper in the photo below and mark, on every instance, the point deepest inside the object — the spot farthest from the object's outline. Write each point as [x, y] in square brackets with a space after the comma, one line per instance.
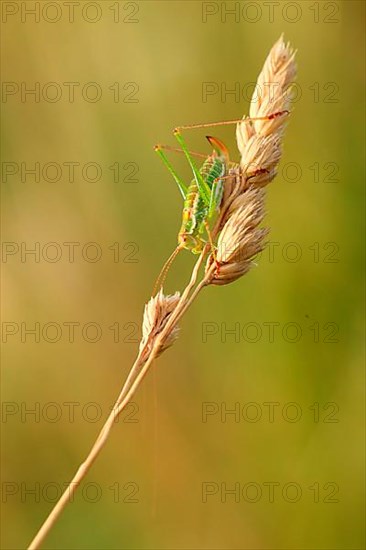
[202, 197]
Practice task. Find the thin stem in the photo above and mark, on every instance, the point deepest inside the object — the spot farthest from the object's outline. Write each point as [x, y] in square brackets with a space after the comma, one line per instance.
[205, 281]
[86, 465]
[134, 379]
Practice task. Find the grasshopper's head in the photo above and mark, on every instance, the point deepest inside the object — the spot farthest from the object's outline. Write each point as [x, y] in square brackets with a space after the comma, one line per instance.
[219, 148]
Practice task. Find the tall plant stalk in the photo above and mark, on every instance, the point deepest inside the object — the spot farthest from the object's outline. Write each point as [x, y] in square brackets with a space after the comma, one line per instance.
[237, 233]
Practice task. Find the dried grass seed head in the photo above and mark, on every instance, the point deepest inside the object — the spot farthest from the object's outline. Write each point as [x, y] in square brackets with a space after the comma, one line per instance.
[271, 95]
[156, 315]
[240, 240]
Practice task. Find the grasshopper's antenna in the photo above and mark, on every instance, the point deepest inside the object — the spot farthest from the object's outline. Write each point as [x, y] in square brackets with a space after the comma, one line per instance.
[164, 271]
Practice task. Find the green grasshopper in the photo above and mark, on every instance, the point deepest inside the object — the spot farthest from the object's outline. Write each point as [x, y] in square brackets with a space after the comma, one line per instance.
[202, 198]
[204, 194]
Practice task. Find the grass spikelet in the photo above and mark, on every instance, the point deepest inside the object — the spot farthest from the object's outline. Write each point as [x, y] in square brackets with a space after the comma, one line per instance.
[156, 315]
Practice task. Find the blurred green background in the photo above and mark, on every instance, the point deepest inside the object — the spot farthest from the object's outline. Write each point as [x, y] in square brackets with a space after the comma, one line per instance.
[162, 453]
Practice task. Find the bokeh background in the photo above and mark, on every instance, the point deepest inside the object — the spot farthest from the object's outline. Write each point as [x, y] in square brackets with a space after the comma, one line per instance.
[157, 57]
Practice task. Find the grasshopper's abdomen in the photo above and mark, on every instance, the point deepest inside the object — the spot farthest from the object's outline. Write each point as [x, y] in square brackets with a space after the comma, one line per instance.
[213, 168]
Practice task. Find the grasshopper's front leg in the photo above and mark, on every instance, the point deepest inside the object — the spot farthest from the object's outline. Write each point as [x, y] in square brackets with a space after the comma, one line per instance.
[181, 185]
[203, 188]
